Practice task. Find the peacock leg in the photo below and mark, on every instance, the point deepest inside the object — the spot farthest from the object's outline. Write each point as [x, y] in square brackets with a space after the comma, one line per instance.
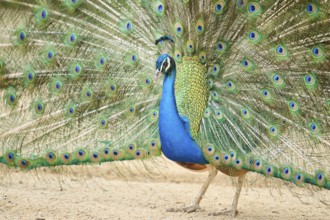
[233, 211]
[195, 205]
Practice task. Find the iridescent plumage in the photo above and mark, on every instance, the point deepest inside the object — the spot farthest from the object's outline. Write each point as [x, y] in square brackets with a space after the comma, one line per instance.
[252, 84]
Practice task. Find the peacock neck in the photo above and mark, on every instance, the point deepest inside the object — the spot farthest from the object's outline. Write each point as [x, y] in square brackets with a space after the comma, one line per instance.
[168, 93]
[177, 143]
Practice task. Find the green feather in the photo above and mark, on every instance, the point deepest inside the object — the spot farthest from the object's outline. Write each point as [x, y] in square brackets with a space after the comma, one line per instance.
[77, 83]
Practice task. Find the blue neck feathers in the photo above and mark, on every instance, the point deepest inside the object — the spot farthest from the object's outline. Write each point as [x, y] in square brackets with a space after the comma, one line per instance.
[177, 143]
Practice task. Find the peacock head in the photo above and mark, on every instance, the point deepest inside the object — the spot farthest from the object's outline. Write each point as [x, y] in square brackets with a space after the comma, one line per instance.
[164, 65]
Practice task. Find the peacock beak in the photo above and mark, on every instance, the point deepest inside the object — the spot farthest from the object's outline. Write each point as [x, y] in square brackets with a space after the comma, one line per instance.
[157, 75]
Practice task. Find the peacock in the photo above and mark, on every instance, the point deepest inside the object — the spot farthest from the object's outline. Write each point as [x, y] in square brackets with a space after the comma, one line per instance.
[246, 86]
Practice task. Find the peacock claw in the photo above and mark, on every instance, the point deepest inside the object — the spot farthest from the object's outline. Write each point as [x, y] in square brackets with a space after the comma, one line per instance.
[231, 213]
[188, 209]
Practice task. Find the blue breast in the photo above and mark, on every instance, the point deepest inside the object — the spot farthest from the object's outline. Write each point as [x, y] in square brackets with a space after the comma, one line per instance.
[177, 144]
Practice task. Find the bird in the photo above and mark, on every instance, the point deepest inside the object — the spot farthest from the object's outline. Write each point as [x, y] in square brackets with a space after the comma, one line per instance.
[246, 86]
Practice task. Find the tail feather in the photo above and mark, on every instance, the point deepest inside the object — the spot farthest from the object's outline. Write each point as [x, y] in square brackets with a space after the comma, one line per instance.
[77, 82]
[74, 76]
[267, 110]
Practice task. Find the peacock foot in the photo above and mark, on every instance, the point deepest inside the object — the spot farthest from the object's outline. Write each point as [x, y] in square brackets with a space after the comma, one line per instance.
[188, 209]
[231, 213]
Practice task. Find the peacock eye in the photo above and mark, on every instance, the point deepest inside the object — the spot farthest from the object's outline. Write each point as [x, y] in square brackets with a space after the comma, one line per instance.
[165, 64]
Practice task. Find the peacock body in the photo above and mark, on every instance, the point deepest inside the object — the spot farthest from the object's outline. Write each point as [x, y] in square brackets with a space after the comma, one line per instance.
[246, 85]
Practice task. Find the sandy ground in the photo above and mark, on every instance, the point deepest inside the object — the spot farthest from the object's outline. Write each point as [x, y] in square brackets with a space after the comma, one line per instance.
[123, 191]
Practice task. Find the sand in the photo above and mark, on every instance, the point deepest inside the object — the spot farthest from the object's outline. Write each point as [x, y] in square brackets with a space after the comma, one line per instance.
[100, 192]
